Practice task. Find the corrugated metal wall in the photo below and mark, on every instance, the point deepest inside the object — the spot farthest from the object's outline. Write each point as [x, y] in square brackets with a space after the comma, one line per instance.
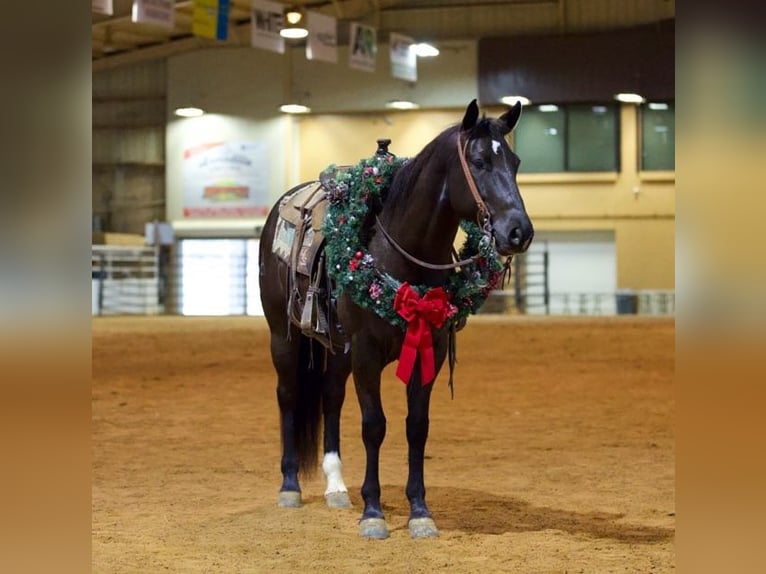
[464, 20]
[129, 147]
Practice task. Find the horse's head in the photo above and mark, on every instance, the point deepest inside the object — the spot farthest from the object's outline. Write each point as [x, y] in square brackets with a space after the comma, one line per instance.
[485, 155]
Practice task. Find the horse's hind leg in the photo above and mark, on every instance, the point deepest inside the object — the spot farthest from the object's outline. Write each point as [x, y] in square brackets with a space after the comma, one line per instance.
[333, 395]
[285, 355]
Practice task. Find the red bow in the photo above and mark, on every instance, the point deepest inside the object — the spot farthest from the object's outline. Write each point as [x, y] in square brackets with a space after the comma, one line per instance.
[420, 314]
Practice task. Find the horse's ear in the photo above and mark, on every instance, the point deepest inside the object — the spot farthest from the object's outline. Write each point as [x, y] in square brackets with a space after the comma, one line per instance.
[511, 117]
[470, 117]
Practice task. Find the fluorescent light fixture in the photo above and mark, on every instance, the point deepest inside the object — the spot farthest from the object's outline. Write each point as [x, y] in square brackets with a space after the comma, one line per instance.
[511, 100]
[294, 109]
[401, 105]
[423, 50]
[658, 106]
[548, 108]
[294, 29]
[629, 98]
[189, 112]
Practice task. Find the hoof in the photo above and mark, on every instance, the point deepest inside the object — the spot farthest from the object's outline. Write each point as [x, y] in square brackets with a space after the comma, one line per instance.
[423, 528]
[373, 528]
[289, 499]
[338, 500]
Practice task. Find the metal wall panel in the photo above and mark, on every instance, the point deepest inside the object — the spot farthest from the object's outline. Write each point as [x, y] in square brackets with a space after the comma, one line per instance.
[590, 67]
[129, 114]
[129, 146]
[137, 80]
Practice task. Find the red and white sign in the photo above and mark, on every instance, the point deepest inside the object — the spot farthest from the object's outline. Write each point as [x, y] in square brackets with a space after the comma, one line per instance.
[226, 179]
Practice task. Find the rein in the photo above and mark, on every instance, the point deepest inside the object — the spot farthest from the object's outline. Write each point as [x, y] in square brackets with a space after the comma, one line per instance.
[420, 262]
[483, 219]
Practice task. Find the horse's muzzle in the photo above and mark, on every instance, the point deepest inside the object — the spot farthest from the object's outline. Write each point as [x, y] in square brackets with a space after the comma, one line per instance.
[518, 239]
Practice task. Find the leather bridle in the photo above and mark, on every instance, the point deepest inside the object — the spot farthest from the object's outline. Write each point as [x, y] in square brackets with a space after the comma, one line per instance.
[483, 220]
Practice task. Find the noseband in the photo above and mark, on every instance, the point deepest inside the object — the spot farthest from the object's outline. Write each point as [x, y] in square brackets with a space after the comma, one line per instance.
[482, 217]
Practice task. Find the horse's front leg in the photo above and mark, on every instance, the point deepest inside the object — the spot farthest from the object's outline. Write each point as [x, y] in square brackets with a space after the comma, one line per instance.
[418, 399]
[368, 362]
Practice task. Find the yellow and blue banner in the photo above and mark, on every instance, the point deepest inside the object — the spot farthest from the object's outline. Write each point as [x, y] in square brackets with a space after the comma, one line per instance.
[210, 19]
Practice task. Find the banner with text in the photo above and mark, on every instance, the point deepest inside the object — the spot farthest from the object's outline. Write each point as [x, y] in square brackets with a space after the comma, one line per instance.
[404, 61]
[226, 179]
[266, 22]
[210, 19]
[158, 12]
[322, 42]
[363, 47]
[102, 7]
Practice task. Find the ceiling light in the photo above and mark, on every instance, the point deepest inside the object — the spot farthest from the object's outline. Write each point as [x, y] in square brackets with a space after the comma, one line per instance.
[401, 105]
[629, 98]
[658, 106]
[294, 28]
[189, 112]
[294, 109]
[511, 100]
[423, 50]
[548, 108]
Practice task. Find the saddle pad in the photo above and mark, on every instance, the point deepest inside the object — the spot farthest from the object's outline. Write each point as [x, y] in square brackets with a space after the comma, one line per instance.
[303, 200]
[300, 227]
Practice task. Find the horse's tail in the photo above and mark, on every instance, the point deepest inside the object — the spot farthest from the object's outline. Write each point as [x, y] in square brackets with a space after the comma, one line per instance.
[308, 409]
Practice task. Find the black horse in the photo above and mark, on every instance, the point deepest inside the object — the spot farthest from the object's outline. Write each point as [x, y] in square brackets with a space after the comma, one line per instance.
[467, 173]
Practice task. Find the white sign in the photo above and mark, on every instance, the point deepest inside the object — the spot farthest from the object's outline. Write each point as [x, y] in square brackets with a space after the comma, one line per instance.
[404, 61]
[322, 42]
[363, 47]
[226, 179]
[102, 7]
[266, 22]
[159, 12]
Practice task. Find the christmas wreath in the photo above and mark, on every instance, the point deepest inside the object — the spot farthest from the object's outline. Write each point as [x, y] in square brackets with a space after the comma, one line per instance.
[352, 268]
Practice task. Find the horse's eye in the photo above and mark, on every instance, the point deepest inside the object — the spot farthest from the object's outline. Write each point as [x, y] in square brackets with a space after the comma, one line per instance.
[478, 163]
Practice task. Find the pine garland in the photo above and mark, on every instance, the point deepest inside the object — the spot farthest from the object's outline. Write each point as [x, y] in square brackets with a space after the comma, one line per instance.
[352, 268]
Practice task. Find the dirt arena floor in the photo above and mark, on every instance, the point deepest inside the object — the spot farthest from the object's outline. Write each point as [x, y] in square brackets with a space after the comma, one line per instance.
[556, 454]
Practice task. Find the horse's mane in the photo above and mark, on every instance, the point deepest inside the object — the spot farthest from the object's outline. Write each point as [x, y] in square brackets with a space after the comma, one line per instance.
[438, 150]
[403, 183]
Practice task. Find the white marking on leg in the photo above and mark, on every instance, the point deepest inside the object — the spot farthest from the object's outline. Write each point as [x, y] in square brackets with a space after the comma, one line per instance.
[496, 146]
[332, 467]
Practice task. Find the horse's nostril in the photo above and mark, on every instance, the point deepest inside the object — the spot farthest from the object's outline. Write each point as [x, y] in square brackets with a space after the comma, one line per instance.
[516, 236]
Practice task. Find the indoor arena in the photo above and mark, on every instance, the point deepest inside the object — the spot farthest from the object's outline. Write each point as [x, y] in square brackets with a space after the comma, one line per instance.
[289, 195]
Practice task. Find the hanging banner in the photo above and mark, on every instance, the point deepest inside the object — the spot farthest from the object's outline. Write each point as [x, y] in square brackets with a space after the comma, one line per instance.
[363, 47]
[210, 19]
[322, 42]
[102, 7]
[404, 61]
[158, 12]
[226, 179]
[266, 22]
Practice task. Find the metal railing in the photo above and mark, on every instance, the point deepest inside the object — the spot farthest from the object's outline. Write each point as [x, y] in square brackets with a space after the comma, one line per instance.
[124, 280]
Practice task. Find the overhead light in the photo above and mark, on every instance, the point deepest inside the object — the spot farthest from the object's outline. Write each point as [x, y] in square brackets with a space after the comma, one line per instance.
[629, 98]
[658, 106]
[401, 105]
[511, 100]
[294, 28]
[189, 112]
[424, 50]
[294, 109]
[548, 108]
